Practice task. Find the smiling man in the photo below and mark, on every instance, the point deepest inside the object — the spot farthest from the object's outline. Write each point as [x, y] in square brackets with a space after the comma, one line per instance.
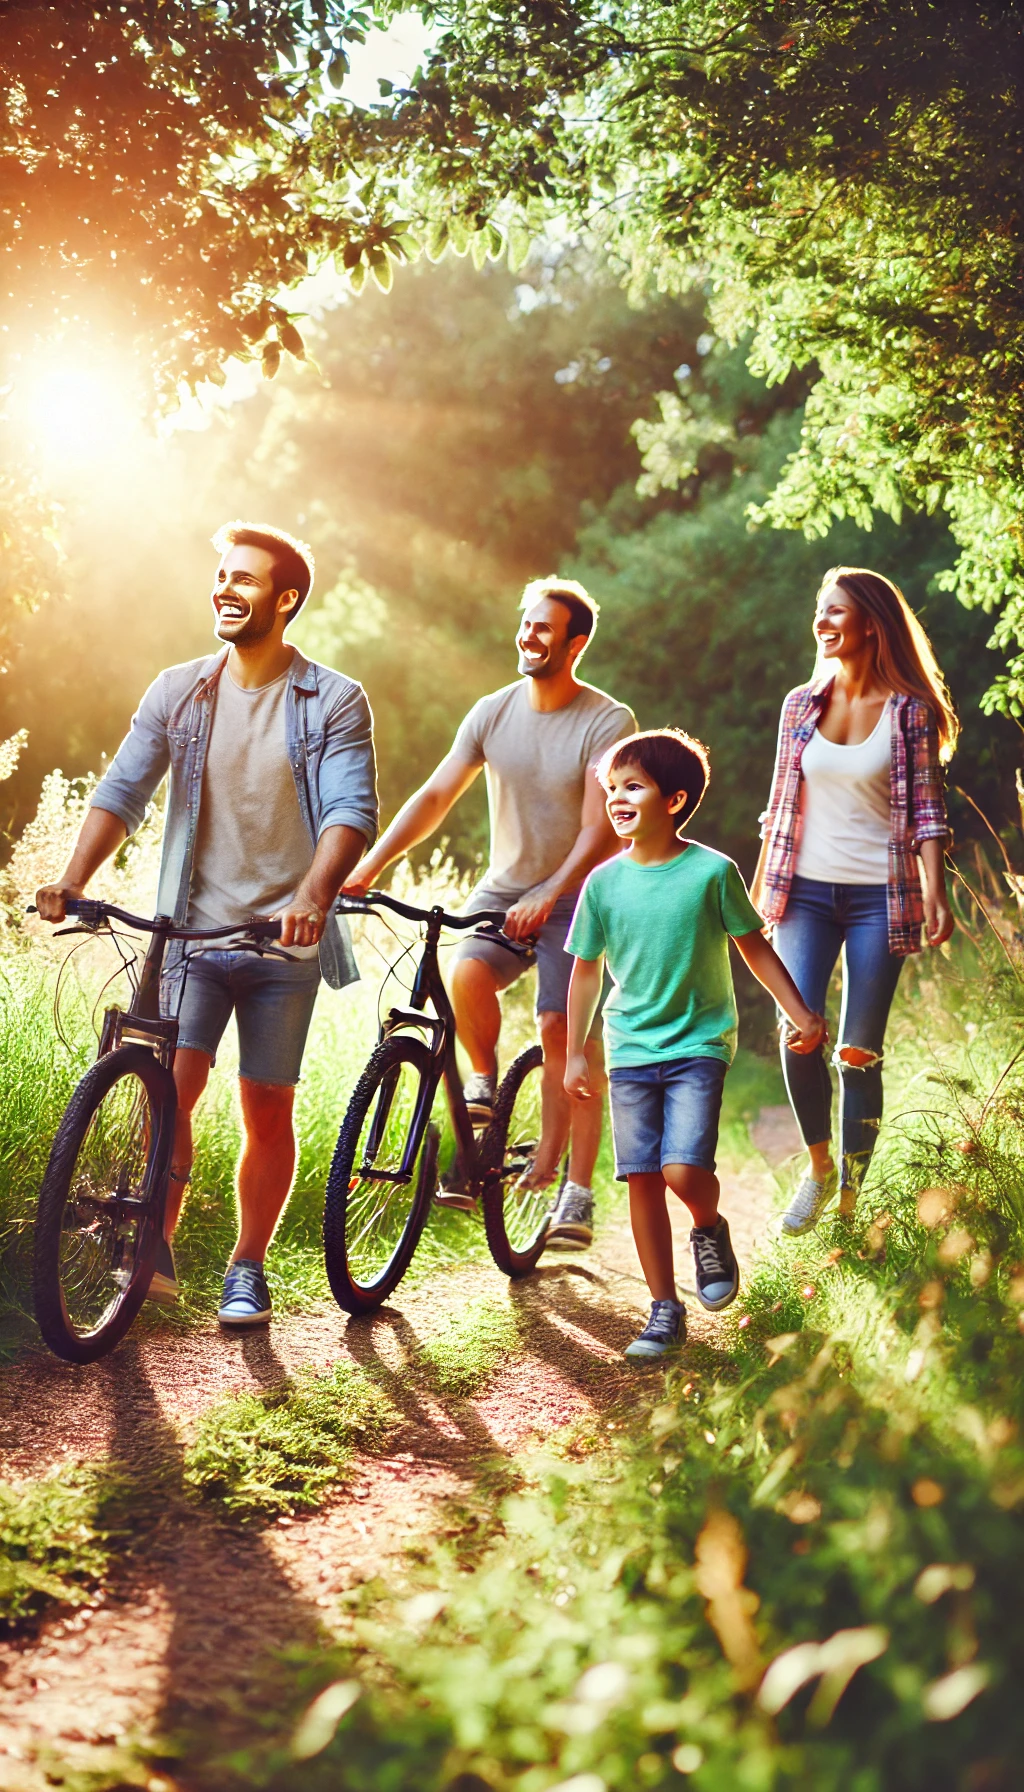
[272, 800]
[539, 740]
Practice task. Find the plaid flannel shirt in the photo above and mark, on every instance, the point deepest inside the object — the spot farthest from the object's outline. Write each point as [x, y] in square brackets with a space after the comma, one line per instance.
[918, 809]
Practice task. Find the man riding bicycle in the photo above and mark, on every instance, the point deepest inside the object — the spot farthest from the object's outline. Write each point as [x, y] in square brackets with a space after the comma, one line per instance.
[272, 800]
[539, 740]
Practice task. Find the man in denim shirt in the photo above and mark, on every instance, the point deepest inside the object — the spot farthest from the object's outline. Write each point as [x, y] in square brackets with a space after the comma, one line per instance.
[272, 801]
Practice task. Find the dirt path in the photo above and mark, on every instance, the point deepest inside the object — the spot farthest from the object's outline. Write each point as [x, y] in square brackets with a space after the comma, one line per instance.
[197, 1604]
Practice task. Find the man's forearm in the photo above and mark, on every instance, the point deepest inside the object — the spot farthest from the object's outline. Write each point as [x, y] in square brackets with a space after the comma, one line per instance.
[338, 851]
[416, 820]
[101, 834]
[593, 844]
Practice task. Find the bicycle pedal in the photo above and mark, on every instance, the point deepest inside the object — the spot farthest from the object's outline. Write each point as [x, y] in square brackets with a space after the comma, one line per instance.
[457, 1198]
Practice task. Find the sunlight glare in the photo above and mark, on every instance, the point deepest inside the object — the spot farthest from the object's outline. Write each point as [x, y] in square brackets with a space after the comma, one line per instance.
[74, 413]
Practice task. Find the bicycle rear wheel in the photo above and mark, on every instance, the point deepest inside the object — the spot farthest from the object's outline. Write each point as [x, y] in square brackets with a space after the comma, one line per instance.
[101, 1205]
[516, 1221]
[374, 1210]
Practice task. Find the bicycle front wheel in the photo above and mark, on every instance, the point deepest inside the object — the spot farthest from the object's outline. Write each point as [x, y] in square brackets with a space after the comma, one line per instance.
[516, 1220]
[101, 1206]
[375, 1208]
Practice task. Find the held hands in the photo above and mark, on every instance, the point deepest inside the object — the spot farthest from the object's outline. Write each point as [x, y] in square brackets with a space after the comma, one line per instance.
[807, 1034]
[527, 916]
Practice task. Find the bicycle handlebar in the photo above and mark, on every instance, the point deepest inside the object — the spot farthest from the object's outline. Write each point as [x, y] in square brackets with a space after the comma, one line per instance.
[94, 912]
[363, 905]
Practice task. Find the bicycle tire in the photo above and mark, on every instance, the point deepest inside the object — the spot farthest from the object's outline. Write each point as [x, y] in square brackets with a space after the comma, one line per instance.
[98, 1222]
[516, 1228]
[362, 1276]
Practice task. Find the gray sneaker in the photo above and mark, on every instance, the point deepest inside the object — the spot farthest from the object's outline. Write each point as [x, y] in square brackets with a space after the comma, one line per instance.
[665, 1330]
[479, 1093]
[163, 1283]
[572, 1218]
[808, 1205]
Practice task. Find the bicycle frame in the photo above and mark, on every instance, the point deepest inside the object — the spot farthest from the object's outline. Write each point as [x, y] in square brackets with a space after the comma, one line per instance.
[429, 987]
[142, 1020]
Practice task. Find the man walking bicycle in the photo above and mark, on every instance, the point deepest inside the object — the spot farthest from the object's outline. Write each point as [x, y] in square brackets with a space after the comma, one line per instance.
[272, 800]
[538, 740]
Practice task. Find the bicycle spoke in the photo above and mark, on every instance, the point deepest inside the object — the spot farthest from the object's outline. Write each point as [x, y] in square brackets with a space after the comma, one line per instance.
[377, 1211]
[103, 1220]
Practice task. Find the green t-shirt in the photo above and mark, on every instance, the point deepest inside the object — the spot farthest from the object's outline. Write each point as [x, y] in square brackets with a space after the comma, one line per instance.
[664, 931]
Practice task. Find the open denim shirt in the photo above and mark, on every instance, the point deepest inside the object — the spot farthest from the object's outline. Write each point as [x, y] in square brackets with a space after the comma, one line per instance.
[329, 739]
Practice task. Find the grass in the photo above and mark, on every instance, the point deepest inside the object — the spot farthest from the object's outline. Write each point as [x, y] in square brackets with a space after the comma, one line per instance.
[55, 1540]
[469, 1346]
[793, 1563]
[259, 1455]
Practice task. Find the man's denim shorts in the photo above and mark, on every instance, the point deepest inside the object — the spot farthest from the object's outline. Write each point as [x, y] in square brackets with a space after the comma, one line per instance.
[666, 1114]
[273, 1004]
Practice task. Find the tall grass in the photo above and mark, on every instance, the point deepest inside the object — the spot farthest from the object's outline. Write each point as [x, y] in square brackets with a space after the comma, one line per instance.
[795, 1561]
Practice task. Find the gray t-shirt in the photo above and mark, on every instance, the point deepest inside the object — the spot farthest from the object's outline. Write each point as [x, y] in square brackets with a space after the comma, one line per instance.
[536, 763]
[252, 846]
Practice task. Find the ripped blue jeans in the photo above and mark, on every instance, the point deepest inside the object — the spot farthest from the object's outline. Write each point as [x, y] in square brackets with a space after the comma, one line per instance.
[822, 920]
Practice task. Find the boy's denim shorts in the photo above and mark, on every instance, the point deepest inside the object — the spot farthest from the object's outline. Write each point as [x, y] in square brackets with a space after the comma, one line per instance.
[273, 1005]
[666, 1114]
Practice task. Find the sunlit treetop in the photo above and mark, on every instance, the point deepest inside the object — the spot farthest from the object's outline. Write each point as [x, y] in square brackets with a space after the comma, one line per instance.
[154, 182]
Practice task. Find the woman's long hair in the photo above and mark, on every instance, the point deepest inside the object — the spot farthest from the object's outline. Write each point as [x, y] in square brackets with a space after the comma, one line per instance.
[904, 655]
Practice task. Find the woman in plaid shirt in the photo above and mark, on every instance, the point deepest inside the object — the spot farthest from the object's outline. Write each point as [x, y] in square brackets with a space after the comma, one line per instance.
[853, 854]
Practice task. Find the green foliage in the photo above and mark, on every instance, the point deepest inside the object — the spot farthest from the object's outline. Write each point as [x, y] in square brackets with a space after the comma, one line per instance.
[53, 1544]
[792, 1563]
[261, 1454]
[469, 1346]
[848, 178]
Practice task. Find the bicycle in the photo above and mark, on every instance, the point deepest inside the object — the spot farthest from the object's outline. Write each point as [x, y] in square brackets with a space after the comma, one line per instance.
[101, 1206]
[385, 1164]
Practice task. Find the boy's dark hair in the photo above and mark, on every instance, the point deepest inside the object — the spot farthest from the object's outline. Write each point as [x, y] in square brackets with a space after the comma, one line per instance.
[672, 759]
[294, 564]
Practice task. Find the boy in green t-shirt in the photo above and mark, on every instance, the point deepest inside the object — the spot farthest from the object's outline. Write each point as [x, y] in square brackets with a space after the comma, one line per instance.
[662, 914]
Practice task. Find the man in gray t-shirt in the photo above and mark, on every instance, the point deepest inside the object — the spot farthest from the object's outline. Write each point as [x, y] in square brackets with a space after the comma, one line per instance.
[538, 741]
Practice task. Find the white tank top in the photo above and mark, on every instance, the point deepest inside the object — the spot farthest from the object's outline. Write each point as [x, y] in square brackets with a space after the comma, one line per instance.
[845, 804]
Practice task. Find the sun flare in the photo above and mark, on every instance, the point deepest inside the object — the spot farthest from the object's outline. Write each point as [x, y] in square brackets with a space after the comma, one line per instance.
[71, 413]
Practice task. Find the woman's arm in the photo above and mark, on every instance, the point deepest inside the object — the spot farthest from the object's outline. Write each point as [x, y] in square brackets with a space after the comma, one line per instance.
[762, 959]
[584, 995]
[938, 915]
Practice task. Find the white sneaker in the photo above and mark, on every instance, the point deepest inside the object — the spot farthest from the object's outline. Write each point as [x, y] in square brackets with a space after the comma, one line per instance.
[808, 1204]
[478, 1091]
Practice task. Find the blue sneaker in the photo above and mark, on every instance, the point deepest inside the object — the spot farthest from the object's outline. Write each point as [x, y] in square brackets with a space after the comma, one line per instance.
[718, 1273]
[246, 1297]
[665, 1330]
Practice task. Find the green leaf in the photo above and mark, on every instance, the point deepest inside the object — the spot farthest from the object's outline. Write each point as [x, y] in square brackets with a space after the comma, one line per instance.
[271, 359]
[383, 271]
[519, 244]
[337, 69]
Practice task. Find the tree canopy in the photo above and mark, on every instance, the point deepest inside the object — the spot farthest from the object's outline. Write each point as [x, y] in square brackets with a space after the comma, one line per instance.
[848, 178]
